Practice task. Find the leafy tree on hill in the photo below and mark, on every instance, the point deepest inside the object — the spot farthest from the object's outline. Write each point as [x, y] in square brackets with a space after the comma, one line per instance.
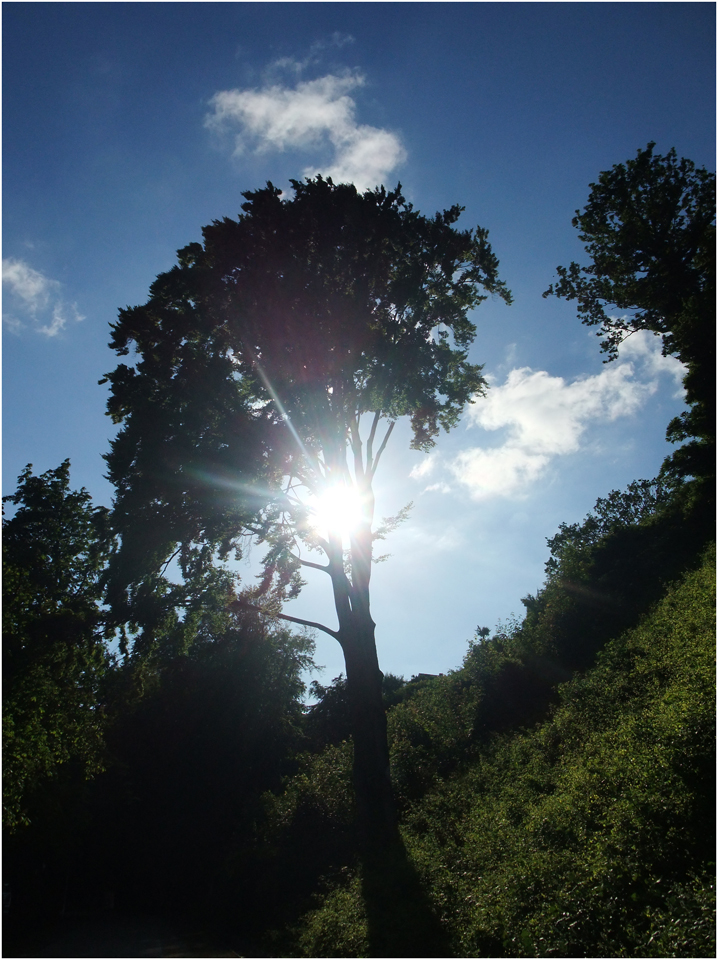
[649, 229]
[261, 359]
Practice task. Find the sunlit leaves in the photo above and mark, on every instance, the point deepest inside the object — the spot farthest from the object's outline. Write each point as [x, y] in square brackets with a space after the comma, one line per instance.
[569, 841]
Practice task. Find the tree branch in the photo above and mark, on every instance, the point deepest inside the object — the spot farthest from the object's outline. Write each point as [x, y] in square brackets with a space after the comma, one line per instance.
[309, 623]
[381, 450]
[284, 616]
[309, 563]
[370, 441]
[169, 561]
[356, 447]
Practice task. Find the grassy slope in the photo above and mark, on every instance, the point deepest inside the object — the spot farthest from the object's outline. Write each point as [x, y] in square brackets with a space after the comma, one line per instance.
[590, 835]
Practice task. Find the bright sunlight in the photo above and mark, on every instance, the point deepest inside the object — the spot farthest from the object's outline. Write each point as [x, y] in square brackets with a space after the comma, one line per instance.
[338, 510]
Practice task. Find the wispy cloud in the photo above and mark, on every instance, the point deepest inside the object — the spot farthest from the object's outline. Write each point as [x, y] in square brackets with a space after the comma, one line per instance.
[426, 467]
[545, 417]
[35, 297]
[312, 115]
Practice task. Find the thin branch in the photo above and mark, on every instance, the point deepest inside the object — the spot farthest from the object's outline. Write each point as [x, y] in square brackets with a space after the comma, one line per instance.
[356, 447]
[324, 544]
[309, 563]
[370, 441]
[309, 623]
[169, 561]
[284, 616]
[255, 531]
[381, 450]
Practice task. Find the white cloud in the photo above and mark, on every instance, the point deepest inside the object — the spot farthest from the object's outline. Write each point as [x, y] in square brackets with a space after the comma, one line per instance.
[425, 468]
[36, 297]
[545, 417]
[32, 288]
[645, 347]
[440, 487]
[310, 116]
[498, 472]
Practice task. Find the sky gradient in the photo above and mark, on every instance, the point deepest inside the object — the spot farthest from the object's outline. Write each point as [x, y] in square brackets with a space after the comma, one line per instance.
[127, 127]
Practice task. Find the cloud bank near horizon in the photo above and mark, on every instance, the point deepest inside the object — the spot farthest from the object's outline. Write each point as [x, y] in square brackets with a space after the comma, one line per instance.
[312, 115]
[35, 297]
[544, 417]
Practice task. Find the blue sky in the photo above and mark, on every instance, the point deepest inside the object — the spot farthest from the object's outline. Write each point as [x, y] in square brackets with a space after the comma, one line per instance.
[129, 126]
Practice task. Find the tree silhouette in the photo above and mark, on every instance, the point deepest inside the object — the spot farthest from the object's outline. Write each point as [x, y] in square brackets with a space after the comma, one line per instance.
[649, 229]
[272, 364]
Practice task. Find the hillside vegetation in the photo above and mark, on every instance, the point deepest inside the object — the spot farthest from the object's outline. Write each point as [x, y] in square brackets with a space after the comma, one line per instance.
[547, 818]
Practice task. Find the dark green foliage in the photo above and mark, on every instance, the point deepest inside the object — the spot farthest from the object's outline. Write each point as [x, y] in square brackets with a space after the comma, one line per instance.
[639, 502]
[170, 827]
[191, 758]
[380, 910]
[602, 577]
[429, 734]
[309, 842]
[55, 546]
[649, 229]
[342, 290]
[189, 471]
[328, 721]
[605, 574]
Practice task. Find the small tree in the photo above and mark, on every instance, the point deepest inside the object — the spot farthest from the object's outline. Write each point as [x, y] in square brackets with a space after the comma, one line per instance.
[649, 229]
[55, 547]
[263, 357]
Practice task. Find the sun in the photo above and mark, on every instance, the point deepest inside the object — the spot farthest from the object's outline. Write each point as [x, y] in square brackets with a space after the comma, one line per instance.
[337, 510]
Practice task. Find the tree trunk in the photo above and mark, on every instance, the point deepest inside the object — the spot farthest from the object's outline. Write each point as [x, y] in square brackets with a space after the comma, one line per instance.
[372, 781]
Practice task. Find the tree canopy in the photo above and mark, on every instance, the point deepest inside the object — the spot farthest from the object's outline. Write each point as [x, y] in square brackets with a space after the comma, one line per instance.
[259, 352]
[649, 229]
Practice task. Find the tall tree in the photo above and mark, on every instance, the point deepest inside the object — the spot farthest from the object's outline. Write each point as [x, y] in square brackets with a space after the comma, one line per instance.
[272, 364]
[55, 546]
[649, 229]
